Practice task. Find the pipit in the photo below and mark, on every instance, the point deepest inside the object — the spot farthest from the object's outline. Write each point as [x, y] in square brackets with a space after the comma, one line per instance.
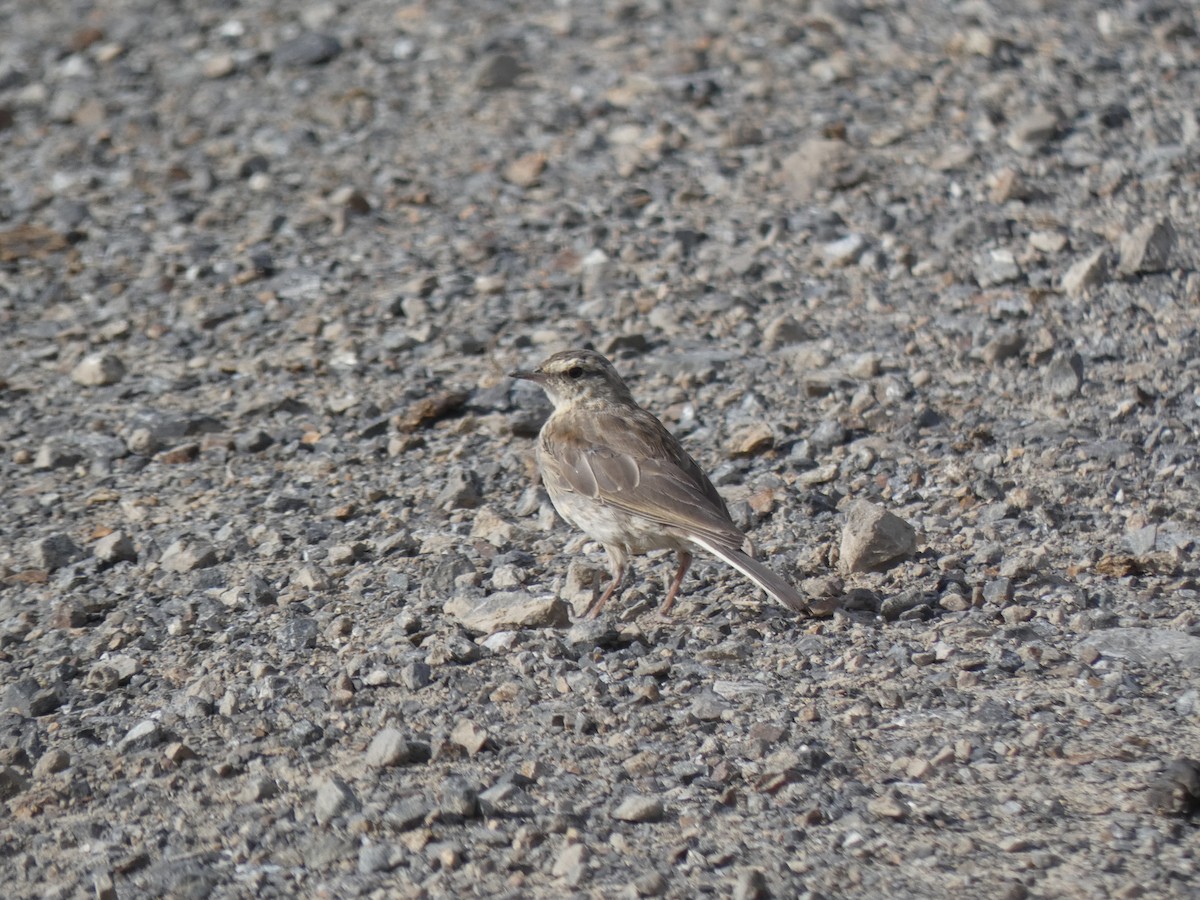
[614, 471]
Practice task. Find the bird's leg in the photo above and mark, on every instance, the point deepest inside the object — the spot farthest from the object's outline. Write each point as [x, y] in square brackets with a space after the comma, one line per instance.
[685, 560]
[618, 564]
[595, 606]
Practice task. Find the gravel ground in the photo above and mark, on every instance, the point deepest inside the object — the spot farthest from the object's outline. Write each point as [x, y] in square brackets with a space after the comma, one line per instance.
[282, 610]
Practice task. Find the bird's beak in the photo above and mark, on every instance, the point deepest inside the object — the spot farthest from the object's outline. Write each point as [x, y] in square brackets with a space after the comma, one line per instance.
[527, 375]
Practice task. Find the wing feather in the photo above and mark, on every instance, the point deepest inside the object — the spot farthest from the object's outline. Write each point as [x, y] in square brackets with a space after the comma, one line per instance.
[634, 464]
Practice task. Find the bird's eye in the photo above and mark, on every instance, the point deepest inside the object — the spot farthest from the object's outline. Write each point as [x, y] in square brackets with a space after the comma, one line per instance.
[575, 372]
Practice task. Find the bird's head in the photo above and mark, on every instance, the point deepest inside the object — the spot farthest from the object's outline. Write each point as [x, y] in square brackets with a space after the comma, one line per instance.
[581, 377]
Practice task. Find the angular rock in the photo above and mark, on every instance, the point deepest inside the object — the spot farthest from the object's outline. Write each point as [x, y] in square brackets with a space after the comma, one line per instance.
[300, 633]
[784, 330]
[55, 551]
[498, 71]
[98, 369]
[115, 548]
[506, 799]
[1086, 273]
[388, 748]
[1177, 791]
[821, 163]
[1005, 345]
[309, 49]
[142, 736]
[844, 251]
[508, 610]
[1147, 248]
[12, 783]
[187, 555]
[459, 798]
[750, 884]
[493, 528]
[873, 538]
[1064, 376]
[750, 440]
[570, 864]
[1034, 130]
[639, 808]
[29, 699]
[462, 491]
[379, 858]
[1147, 646]
[470, 736]
[58, 453]
[525, 171]
[997, 266]
[334, 798]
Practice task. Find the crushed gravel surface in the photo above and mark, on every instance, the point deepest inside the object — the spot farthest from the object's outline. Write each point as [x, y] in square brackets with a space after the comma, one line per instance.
[283, 611]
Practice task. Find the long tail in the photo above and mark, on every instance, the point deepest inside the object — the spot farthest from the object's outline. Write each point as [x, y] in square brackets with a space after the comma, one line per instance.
[766, 579]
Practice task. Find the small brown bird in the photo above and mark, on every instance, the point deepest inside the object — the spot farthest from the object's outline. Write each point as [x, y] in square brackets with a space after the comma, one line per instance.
[615, 472]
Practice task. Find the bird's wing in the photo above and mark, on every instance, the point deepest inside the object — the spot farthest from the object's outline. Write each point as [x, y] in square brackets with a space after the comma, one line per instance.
[634, 464]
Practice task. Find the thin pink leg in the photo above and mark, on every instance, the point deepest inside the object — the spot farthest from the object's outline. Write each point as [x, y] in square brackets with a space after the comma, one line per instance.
[685, 560]
[595, 606]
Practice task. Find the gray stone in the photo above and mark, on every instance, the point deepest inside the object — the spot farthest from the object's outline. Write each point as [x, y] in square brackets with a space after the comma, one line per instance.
[1064, 376]
[506, 799]
[103, 886]
[750, 884]
[470, 736]
[145, 735]
[98, 370]
[187, 555]
[459, 798]
[639, 808]
[828, 433]
[571, 864]
[508, 610]
[1142, 541]
[300, 633]
[498, 71]
[997, 266]
[889, 806]
[784, 330]
[253, 441]
[1005, 345]
[998, 591]
[1034, 130]
[260, 789]
[707, 708]
[415, 674]
[388, 748]
[462, 491]
[1086, 273]
[55, 551]
[1147, 646]
[312, 577]
[896, 605]
[407, 814]
[309, 49]
[51, 762]
[58, 453]
[114, 548]
[844, 251]
[334, 798]
[874, 538]
[12, 783]
[379, 858]
[1147, 248]
[818, 164]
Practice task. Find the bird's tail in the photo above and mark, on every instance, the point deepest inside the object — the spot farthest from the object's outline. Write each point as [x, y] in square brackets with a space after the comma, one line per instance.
[766, 579]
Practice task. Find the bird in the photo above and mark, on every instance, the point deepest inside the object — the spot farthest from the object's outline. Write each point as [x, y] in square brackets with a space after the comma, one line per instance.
[615, 472]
